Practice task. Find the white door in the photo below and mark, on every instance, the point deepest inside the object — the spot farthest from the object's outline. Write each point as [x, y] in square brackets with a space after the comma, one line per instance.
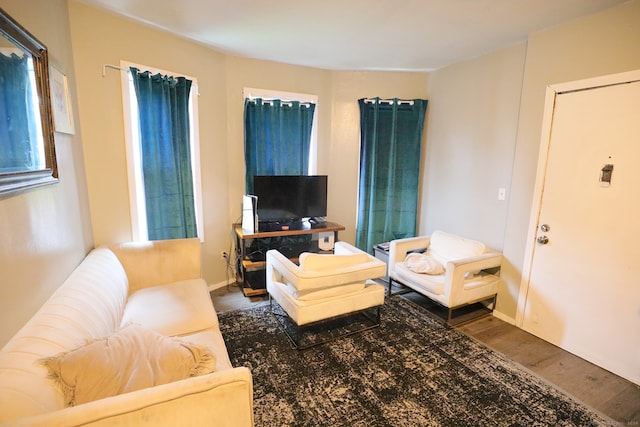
[583, 290]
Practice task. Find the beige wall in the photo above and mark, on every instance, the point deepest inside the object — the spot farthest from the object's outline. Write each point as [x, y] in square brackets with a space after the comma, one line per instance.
[45, 232]
[472, 132]
[480, 136]
[249, 73]
[343, 168]
[338, 122]
[103, 38]
[485, 124]
[599, 44]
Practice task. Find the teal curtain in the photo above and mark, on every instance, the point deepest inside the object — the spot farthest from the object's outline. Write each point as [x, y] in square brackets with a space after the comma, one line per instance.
[390, 153]
[163, 104]
[277, 138]
[19, 139]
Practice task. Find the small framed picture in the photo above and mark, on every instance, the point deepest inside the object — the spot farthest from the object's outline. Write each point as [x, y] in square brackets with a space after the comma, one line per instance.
[61, 102]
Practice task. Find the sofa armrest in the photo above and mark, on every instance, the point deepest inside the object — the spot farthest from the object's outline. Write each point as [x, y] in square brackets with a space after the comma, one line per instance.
[456, 274]
[399, 248]
[222, 399]
[476, 263]
[159, 262]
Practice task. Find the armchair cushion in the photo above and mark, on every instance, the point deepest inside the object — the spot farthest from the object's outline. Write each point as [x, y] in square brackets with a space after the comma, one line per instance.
[432, 284]
[446, 247]
[420, 263]
[324, 262]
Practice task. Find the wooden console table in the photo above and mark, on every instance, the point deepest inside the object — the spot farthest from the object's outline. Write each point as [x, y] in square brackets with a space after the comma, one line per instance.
[251, 250]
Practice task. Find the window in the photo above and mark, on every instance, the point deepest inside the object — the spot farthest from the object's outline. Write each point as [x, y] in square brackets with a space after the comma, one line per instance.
[164, 182]
[279, 134]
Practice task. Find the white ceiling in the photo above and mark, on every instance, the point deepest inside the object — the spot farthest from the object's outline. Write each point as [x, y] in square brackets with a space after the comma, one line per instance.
[418, 35]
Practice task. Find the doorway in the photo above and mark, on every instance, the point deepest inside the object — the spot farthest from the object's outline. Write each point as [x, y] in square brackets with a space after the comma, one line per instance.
[581, 287]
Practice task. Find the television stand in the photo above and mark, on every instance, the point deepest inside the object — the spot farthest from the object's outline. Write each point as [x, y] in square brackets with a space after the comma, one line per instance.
[251, 250]
[284, 225]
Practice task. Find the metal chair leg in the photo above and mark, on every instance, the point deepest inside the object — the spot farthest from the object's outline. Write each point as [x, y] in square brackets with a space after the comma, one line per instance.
[296, 340]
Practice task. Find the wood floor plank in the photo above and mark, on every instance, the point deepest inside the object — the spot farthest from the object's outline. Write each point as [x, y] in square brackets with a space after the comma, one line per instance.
[602, 390]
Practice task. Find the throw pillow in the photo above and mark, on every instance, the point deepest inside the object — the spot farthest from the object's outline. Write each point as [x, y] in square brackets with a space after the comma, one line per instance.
[131, 359]
[420, 263]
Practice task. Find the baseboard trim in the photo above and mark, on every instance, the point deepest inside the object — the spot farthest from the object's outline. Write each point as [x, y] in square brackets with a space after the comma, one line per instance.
[504, 317]
[214, 286]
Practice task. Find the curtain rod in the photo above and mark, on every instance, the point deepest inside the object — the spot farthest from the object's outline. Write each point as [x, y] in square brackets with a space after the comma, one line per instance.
[115, 67]
[388, 101]
[286, 102]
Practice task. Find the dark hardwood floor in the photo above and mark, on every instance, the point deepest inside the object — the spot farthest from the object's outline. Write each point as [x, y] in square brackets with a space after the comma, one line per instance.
[598, 388]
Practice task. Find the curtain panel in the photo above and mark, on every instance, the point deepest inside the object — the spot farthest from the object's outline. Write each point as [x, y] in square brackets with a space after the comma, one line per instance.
[277, 138]
[390, 155]
[163, 104]
[19, 139]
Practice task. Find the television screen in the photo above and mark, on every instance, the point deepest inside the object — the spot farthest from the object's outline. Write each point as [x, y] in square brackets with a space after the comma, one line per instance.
[290, 197]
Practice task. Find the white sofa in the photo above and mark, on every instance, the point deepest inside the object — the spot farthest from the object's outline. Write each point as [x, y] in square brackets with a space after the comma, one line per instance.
[157, 285]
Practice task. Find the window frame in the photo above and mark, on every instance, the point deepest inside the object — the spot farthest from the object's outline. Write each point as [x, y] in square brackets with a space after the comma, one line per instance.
[137, 206]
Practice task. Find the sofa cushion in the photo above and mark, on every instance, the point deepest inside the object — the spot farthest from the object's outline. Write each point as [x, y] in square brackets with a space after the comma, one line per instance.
[130, 359]
[322, 262]
[428, 283]
[446, 247]
[420, 263]
[178, 308]
[214, 341]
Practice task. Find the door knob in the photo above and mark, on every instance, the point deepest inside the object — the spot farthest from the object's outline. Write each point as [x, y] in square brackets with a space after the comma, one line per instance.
[542, 240]
[545, 227]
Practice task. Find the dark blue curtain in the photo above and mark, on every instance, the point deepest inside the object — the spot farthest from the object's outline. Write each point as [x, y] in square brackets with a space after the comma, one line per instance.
[163, 104]
[390, 153]
[277, 138]
[19, 139]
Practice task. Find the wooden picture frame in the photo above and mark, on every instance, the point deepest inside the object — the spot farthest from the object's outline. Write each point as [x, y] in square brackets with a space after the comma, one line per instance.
[18, 177]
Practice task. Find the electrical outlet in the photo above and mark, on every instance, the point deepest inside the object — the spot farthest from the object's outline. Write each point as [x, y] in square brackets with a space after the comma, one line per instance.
[224, 255]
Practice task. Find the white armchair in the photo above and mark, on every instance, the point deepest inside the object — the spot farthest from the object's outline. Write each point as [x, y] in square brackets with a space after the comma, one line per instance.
[453, 271]
[324, 286]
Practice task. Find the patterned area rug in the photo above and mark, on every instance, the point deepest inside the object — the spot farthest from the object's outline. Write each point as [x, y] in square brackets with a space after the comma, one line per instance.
[411, 371]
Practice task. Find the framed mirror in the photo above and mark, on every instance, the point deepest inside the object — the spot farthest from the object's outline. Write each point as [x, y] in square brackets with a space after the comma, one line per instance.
[27, 149]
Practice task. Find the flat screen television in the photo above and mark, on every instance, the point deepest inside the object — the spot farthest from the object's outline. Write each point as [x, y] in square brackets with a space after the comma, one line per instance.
[290, 197]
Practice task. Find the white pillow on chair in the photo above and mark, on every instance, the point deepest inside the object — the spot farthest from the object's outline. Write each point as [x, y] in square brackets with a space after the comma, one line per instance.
[420, 263]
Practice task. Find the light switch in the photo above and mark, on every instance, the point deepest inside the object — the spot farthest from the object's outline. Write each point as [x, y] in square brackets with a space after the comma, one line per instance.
[502, 193]
[605, 175]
